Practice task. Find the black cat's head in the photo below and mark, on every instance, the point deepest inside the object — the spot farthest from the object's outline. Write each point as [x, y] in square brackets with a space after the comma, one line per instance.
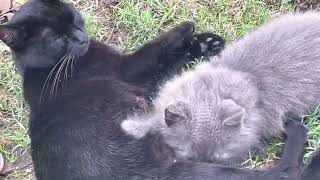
[43, 32]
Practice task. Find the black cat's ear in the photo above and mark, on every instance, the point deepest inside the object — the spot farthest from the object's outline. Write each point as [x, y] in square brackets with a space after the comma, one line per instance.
[12, 35]
[9, 34]
[232, 113]
[175, 113]
[51, 1]
[2, 32]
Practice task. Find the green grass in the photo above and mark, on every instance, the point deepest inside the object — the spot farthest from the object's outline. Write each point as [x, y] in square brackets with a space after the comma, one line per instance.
[127, 24]
[13, 111]
[313, 123]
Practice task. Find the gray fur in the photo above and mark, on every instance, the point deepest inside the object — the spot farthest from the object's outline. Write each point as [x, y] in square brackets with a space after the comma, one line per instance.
[242, 95]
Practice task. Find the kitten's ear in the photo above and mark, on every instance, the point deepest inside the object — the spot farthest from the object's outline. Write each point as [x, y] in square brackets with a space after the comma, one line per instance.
[11, 34]
[232, 113]
[176, 113]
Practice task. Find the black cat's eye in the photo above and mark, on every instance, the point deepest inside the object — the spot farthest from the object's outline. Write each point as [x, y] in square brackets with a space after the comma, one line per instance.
[77, 27]
[79, 22]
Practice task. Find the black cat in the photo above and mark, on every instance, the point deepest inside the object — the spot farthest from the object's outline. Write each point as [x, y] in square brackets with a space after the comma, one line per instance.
[79, 91]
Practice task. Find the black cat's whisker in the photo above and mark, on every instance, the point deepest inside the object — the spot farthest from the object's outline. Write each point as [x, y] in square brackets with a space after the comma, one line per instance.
[117, 115]
[70, 57]
[66, 71]
[55, 85]
[46, 83]
[72, 66]
[178, 53]
[55, 77]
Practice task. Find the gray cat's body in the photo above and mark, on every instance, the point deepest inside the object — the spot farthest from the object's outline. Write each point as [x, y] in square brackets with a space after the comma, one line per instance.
[223, 108]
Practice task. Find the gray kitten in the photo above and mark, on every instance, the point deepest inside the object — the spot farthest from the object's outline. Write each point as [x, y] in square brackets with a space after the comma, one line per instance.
[223, 108]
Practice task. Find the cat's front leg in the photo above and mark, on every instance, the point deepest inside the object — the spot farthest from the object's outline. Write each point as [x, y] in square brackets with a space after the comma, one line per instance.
[165, 56]
[161, 54]
[158, 60]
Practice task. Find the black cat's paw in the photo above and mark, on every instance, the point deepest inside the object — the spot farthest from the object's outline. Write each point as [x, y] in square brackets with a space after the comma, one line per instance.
[295, 129]
[316, 159]
[186, 28]
[206, 44]
[294, 126]
[177, 39]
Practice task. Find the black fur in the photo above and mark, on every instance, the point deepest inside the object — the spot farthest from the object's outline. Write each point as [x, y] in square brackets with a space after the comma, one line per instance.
[312, 171]
[75, 119]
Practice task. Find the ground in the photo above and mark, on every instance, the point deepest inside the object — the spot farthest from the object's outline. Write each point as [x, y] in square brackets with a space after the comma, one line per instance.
[126, 25]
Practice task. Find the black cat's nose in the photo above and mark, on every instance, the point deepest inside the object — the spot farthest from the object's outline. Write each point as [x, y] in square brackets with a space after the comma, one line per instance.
[81, 37]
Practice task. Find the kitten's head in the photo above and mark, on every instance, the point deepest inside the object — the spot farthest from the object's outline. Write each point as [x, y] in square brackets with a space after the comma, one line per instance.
[204, 131]
[44, 31]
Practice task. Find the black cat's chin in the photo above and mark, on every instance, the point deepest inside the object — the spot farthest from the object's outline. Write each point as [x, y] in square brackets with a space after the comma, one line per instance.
[82, 49]
[79, 45]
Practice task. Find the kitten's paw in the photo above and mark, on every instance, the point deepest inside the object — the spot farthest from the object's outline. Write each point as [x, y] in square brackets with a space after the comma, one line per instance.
[135, 129]
[206, 44]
